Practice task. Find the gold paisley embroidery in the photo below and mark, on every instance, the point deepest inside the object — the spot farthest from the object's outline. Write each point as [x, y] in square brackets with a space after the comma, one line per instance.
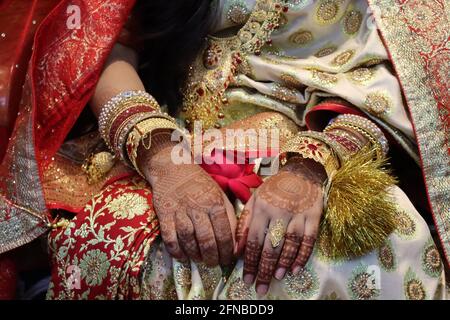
[431, 260]
[301, 38]
[406, 227]
[290, 80]
[352, 22]
[370, 61]
[326, 51]
[386, 257]
[324, 79]
[204, 93]
[323, 252]
[413, 287]
[343, 58]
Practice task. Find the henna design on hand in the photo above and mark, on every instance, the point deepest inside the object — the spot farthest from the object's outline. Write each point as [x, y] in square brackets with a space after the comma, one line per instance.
[188, 189]
[223, 233]
[290, 192]
[252, 253]
[305, 251]
[266, 267]
[290, 249]
[186, 236]
[240, 232]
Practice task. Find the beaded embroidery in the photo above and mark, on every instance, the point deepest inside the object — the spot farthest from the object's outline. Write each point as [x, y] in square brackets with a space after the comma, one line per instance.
[204, 94]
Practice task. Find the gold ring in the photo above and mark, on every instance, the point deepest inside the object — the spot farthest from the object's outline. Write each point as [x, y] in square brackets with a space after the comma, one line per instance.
[276, 233]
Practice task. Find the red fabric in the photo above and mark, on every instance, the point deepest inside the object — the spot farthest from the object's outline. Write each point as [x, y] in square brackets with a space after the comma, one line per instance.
[8, 278]
[3, 141]
[101, 253]
[60, 93]
[319, 116]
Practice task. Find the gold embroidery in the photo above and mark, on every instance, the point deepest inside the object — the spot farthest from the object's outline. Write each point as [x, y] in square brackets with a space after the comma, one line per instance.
[328, 11]
[290, 80]
[352, 22]
[359, 285]
[323, 79]
[413, 286]
[238, 12]
[406, 227]
[431, 260]
[386, 257]
[301, 38]
[284, 93]
[238, 290]
[407, 28]
[361, 75]
[204, 94]
[128, 205]
[325, 51]
[302, 286]
[183, 276]
[378, 103]
[210, 278]
[343, 58]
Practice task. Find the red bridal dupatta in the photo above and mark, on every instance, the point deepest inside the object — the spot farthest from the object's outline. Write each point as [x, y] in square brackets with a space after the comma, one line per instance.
[66, 64]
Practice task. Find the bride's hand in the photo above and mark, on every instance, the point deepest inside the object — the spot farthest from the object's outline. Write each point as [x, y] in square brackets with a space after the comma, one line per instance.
[197, 220]
[289, 205]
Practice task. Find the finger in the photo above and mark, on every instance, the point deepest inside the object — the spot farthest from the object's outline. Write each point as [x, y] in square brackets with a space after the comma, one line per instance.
[307, 246]
[223, 234]
[243, 227]
[205, 238]
[292, 241]
[231, 217]
[254, 245]
[169, 236]
[271, 252]
[186, 236]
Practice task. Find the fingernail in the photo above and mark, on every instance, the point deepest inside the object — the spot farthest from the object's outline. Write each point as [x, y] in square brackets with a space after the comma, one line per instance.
[279, 274]
[248, 279]
[262, 289]
[296, 270]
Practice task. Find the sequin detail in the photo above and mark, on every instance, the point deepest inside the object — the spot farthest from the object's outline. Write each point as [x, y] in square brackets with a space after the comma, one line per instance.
[302, 286]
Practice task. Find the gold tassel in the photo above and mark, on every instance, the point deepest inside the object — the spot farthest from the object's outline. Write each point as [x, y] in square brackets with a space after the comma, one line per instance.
[360, 213]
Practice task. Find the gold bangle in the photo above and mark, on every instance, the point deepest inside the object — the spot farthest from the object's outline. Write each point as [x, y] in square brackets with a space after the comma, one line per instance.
[140, 133]
[315, 146]
[128, 104]
[373, 140]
